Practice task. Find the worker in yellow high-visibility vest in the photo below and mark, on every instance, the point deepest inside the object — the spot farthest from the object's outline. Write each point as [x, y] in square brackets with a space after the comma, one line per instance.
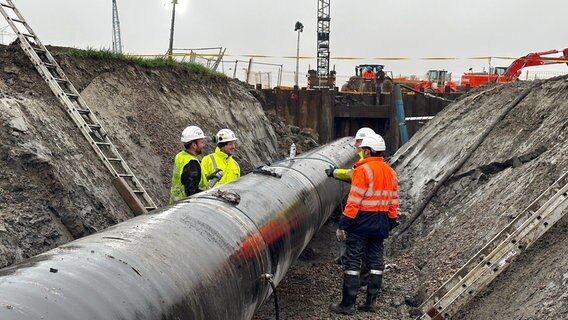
[220, 167]
[187, 177]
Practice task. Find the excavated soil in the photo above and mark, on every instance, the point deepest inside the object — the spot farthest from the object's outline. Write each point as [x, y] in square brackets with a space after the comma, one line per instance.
[471, 169]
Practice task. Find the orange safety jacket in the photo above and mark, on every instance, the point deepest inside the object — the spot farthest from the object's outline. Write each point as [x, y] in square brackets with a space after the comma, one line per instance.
[368, 75]
[374, 188]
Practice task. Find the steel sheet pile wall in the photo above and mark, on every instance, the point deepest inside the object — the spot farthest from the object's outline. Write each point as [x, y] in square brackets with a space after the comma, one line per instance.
[201, 258]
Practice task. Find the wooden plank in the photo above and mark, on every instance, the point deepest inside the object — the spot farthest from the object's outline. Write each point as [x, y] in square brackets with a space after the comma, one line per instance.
[129, 197]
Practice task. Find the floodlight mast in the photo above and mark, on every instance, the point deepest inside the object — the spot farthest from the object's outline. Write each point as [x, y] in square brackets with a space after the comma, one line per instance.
[298, 27]
[171, 47]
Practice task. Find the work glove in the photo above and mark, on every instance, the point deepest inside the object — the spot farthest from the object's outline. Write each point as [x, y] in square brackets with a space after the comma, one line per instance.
[215, 175]
[393, 223]
[341, 235]
[329, 171]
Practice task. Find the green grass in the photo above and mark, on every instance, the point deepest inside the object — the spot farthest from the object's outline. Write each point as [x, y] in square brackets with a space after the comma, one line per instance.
[158, 62]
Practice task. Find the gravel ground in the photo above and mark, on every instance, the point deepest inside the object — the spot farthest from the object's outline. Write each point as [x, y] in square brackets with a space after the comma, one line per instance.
[315, 281]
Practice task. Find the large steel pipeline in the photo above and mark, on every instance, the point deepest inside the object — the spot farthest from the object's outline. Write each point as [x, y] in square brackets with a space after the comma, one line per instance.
[201, 258]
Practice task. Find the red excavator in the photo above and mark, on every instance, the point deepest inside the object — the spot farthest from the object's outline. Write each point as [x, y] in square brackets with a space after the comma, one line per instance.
[504, 75]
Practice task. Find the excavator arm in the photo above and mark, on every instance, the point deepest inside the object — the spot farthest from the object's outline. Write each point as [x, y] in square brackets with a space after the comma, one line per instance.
[534, 59]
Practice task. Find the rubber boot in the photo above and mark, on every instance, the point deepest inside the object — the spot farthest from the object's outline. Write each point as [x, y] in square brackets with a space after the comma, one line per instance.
[364, 274]
[373, 287]
[350, 288]
[363, 279]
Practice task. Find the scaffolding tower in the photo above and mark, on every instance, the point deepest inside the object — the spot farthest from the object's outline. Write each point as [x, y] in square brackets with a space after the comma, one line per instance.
[116, 40]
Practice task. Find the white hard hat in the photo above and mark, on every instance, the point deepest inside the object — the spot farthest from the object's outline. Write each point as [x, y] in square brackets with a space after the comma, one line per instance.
[225, 135]
[192, 133]
[363, 132]
[375, 142]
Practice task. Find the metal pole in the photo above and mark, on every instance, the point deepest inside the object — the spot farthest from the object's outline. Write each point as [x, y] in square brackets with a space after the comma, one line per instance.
[400, 114]
[170, 50]
[280, 75]
[297, 59]
[235, 70]
[248, 70]
[116, 38]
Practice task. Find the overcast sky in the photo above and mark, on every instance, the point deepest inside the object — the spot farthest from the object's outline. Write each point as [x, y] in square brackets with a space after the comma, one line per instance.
[367, 29]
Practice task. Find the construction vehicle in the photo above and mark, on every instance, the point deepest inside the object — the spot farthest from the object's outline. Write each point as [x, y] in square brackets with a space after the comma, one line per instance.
[358, 82]
[410, 81]
[476, 79]
[511, 73]
[320, 82]
[438, 81]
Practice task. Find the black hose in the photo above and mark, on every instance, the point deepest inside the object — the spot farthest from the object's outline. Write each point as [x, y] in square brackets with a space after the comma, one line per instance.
[270, 279]
[276, 308]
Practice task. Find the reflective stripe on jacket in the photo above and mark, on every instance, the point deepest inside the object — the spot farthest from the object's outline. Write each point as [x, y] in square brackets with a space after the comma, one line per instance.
[177, 191]
[345, 174]
[374, 188]
[220, 160]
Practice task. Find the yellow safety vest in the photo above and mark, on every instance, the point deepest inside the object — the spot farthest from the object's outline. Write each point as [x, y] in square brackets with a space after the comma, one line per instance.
[220, 160]
[345, 174]
[177, 192]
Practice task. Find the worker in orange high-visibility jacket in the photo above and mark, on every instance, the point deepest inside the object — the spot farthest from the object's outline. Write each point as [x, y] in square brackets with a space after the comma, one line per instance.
[370, 213]
[368, 74]
[344, 174]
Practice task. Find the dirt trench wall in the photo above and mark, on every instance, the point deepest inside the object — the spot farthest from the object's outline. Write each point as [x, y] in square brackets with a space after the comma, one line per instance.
[54, 188]
[520, 157]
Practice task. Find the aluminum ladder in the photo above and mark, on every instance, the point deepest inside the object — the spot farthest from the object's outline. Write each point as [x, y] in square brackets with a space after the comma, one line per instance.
[125, 181]
[499, 253]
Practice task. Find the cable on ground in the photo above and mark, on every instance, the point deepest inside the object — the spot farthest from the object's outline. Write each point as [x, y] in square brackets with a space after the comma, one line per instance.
[270, 279]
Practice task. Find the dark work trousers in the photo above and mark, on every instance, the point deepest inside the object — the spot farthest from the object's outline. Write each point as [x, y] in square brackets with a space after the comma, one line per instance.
[378, 94]
[358, 247]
